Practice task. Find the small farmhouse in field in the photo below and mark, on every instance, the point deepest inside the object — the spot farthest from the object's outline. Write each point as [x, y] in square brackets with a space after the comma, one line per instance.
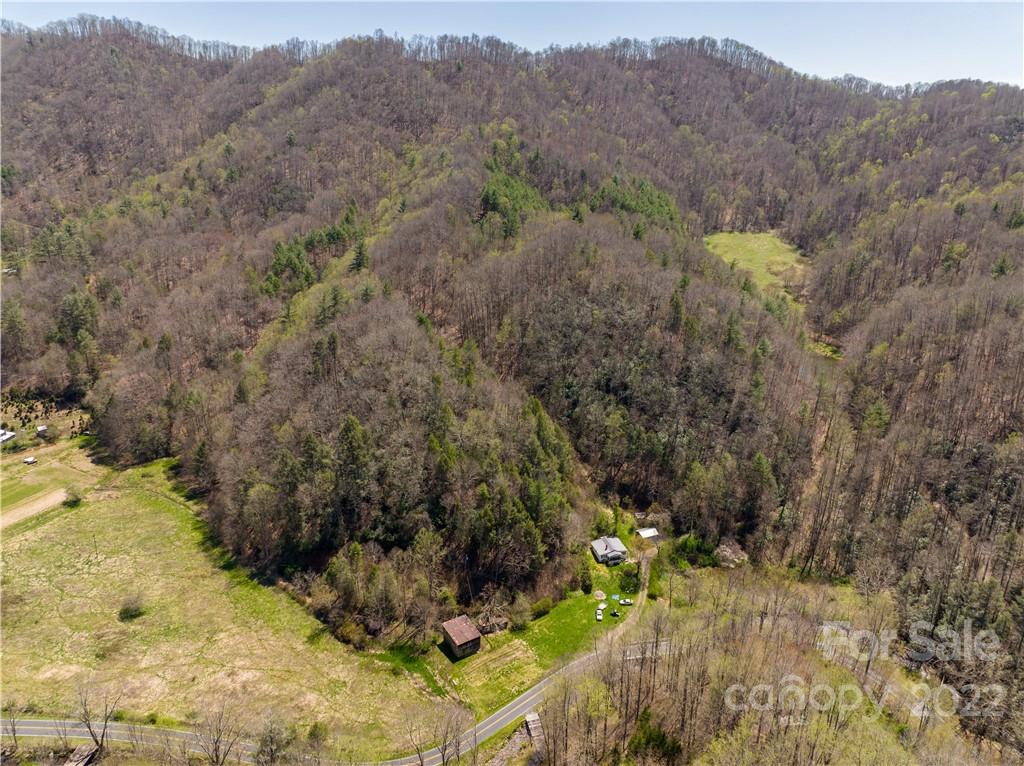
[648, 533]
[461, 636]
[6, 436]
[609, 550]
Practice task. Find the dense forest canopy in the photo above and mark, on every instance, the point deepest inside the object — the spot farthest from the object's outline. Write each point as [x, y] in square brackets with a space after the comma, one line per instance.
[410, 311]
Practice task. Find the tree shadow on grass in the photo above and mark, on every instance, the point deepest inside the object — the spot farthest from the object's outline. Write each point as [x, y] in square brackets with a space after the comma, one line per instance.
[173, 474]
[210, 544]
[317, 633]
[215, 551]
[96, 452]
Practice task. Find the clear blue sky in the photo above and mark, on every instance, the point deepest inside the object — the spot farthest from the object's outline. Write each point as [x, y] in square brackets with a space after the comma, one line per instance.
[894, 43]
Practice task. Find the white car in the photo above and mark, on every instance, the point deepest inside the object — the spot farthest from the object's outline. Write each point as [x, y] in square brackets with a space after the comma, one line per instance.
[627, 602]
[599, 615]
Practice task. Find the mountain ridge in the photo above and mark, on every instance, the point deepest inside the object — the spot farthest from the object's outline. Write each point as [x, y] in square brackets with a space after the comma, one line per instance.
[463, 308]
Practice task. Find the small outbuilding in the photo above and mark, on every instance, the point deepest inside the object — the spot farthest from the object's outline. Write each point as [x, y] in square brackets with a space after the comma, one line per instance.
[609, 550]
[29, 461]
[535, 730]
[648, 533]
[83, 755]
[461, 636]
[6, 436]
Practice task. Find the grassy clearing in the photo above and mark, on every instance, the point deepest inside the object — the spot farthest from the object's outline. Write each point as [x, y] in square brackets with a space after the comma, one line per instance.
[207, 631]
[404, 658]
[509, 663]
[62, 465]
[570, 627]
[773, 265]
[827, 350]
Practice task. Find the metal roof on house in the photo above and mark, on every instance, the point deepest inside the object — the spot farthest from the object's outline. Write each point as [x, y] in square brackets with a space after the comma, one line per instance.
[604, 545]
[460, 630]
[647, 533]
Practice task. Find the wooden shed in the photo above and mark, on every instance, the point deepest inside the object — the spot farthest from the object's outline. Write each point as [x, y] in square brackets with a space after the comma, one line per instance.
[461, 636]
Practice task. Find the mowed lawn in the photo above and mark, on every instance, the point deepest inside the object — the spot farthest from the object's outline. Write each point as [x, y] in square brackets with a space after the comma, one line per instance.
[509, 663]
[63, 465]
[208, 631]
[773, 264]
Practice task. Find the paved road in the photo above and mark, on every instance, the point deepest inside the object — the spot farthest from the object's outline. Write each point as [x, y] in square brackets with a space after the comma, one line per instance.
[119, 732]
[151, 735]
[488, 727]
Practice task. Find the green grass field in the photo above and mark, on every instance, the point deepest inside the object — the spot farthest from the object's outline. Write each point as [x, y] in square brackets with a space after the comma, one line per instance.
[509, 663]
[208, 631]
[773, 265]
[61, 466]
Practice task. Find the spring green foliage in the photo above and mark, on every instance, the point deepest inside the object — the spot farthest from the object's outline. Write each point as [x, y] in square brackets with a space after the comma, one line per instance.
[291, 270]
[691, 398]
[221, 621]
[14, 330]
[508, 194]
[491, 489]
[77, 318]
[361, 259]
[775, 266]
[689, 550]
[640, 197]
[629, 578]
[510, 198]
[64, 241]
[649, 740]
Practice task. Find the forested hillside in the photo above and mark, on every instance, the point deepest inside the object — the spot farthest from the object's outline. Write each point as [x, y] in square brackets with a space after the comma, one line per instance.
[410, 311]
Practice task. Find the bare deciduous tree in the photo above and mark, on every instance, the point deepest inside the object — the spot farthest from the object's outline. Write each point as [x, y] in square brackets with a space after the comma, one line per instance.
[218, 733]
[96, 710]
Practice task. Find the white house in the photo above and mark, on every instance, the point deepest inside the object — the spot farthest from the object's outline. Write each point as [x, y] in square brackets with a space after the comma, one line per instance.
[648, 533]
[609, 550]
[6, 436]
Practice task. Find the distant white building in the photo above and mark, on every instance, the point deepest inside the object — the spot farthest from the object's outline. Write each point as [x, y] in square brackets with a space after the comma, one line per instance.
[6, 436]
[40, 430]
[648, 533]
[609, 550]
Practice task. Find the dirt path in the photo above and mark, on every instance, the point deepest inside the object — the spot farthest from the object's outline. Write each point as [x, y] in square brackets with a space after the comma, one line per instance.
[32, 506]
